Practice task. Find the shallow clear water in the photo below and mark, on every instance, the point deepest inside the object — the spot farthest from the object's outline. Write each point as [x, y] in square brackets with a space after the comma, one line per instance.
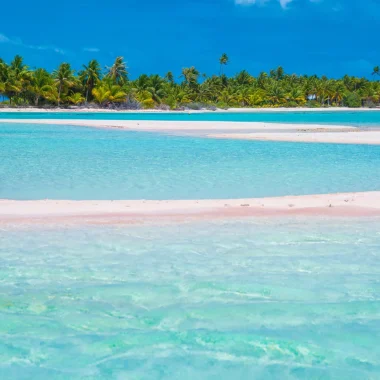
[260, 299]
[355, 118]
[59, 162]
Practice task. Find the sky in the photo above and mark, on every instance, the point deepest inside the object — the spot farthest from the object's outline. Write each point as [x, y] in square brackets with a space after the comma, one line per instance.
[323, 37]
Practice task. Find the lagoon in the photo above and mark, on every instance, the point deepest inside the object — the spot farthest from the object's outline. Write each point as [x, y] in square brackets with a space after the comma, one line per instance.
[289, 298]
[351, 118]
[66, 162]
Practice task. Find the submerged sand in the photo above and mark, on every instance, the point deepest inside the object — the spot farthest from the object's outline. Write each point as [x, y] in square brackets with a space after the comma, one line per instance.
[128, 211]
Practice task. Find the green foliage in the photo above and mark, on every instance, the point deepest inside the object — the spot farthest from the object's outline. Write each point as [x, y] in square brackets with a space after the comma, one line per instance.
[171, 101]
[313, 104]
[90, 76]
[352, 100]
[291, 104]
[76, 98]
[111, 87]
[118, 71]
[223, 60]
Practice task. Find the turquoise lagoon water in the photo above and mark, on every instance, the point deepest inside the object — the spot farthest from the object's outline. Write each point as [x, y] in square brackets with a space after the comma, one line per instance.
[254, 299]
[62, 162]
[355, 118]
[260, 299]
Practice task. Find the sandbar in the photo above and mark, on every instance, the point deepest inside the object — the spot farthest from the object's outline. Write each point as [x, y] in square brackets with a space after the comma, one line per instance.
[336, 137]
[359, 204]
[261, 131]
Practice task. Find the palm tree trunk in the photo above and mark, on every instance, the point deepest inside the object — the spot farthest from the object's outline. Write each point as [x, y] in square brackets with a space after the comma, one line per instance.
[59, 94]
[87, 95]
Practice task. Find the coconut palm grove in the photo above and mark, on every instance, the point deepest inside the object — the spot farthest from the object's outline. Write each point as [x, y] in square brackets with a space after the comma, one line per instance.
[110, 87]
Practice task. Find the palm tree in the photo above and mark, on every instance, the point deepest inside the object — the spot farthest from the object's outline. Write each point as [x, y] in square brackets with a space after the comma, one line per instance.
[156, 88]
[76, 98]
[227, 97]
[118, 71]
[101, 95]
[90, 75]
[257, 98]
[190, 75]
[17, 65]
[223, 60]
[169, 77]
[52, 95]
[262, 80]
[2, 89]
[244, 95]
[40, 83]
[296, 95]
[339, 91]
[108, 92]
[145, 98]
[63, 77]
[279, 73]
[23, 86]
[17, 78]
[116, 94]
[243, 78]
[275, 93]
[141, 84]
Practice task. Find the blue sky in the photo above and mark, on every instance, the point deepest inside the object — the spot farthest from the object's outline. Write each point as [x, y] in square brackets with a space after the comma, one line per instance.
[330, 37]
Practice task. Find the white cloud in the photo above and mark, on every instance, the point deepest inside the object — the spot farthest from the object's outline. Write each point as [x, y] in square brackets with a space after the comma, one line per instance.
[245, 2]
[250, 2]
[18, 42]
[3, 38]
[59, 51]
[92, 50]
[283, 3]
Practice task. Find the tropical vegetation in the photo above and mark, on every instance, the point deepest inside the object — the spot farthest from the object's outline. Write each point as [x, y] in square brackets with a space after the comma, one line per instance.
[111, 87]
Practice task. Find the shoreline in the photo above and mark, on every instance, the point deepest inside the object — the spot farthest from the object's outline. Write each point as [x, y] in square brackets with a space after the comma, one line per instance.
[218, 110]
[359, 204]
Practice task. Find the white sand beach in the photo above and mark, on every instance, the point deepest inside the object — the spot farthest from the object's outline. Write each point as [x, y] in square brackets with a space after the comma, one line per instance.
[127, 211]
[219, 110]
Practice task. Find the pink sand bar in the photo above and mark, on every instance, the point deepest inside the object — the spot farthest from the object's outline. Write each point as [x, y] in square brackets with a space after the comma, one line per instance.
[108, 212]
[337, 137]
